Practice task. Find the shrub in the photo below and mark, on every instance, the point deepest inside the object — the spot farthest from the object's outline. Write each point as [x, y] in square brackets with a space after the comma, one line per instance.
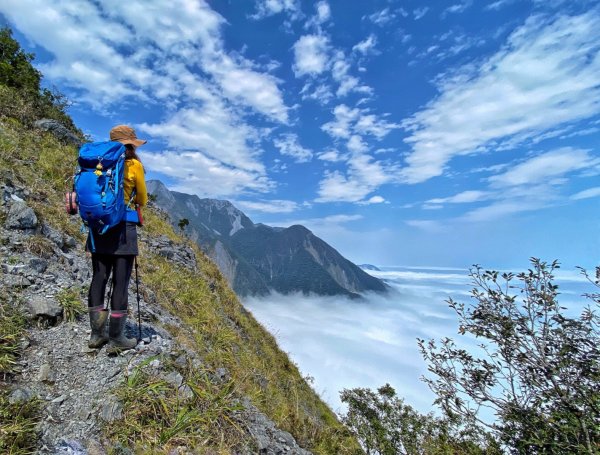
[386, 426]
[21, 94]
[539, 369]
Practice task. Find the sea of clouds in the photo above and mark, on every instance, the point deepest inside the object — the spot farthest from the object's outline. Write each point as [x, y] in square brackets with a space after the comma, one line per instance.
[345, 343]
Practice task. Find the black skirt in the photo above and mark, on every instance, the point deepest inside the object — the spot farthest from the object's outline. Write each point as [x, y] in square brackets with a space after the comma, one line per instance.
[120, 239]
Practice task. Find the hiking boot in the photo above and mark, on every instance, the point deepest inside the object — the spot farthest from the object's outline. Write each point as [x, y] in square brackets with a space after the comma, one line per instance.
[98, 316]
[118, 342]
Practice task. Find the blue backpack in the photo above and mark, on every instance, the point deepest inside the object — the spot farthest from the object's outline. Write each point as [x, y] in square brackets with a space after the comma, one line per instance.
[99, 186]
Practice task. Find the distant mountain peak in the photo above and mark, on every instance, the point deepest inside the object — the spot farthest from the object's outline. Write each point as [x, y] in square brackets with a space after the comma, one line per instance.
[257, 258]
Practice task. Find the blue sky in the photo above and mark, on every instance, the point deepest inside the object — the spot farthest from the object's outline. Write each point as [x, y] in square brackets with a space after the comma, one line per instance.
[402, 132]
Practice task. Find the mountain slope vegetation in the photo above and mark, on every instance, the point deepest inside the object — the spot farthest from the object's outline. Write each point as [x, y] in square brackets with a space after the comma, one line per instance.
[232, 364]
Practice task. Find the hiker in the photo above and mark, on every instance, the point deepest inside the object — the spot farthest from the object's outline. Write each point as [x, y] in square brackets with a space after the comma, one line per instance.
[115, 251]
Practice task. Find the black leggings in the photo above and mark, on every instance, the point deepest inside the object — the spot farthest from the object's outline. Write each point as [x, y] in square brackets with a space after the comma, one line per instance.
[102, 265]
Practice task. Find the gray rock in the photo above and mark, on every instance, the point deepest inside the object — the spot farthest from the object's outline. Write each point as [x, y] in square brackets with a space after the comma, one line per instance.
[13, 269]
[59, 131]
[45, 374]
[69, 243]
[21, 216]
[53, 235]
[70, 448]
[174, 378]
[40, 306]
[185, 392]
[20, 395]
[268, 438]
[168, 253]
[112, 409]
[222, 374]
[39, 265]
[59, 399]
[95, 448]
[15, 281]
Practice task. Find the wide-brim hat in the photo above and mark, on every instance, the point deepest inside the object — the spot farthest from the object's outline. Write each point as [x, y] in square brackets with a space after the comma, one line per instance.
[125, 135]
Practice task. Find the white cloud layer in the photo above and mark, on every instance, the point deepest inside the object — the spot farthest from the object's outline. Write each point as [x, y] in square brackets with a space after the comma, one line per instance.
[344, 343]
[546, 77]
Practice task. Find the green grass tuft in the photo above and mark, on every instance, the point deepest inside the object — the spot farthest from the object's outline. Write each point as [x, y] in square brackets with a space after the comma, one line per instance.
[18, 423]
[70, 301]
[12, 324]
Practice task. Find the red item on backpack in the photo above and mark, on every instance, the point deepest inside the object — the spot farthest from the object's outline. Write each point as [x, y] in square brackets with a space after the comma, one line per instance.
[71, 203]
[138, 209]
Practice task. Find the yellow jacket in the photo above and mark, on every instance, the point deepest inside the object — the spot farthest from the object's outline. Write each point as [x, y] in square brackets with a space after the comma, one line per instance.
[133, 177]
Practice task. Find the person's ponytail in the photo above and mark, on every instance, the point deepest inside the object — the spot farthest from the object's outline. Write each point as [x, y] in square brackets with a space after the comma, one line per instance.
[130, 153]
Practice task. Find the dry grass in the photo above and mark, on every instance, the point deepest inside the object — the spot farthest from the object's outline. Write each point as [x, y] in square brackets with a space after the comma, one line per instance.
[226, 335]
[216, 326]
[39, 246]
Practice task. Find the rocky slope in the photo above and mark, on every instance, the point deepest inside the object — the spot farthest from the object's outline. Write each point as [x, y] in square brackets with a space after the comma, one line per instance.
[256, 258]
[205, 378]
[78, 388]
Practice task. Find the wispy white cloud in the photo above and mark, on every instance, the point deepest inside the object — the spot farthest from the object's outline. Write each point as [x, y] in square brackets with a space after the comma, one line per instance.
[320, 93]
[331, 155]
[349, 121]
[459, 7]
[317, 224]
[382, 17]
[363, 176]
[288, 145]
[323, 11]
[212, 130]
[266, 8]
[267, 206]
[426, 225]
[542, 79]
[550, 167]
[311, 55]
[419, 13]
[525, 185]
[375, 200]
[118, 57]
[461, 198]
[587, 194]
[498, 4]
[366, 46]
[194, 172]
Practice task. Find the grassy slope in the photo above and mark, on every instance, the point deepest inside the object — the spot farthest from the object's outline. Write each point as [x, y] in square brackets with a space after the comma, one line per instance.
[216, 326]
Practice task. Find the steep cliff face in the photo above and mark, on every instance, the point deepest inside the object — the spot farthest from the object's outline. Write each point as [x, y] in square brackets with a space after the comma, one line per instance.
[256, 258]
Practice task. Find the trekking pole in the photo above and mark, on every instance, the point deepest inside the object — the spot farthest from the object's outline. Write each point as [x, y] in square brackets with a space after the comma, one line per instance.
[110, 289]
[137, 291]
